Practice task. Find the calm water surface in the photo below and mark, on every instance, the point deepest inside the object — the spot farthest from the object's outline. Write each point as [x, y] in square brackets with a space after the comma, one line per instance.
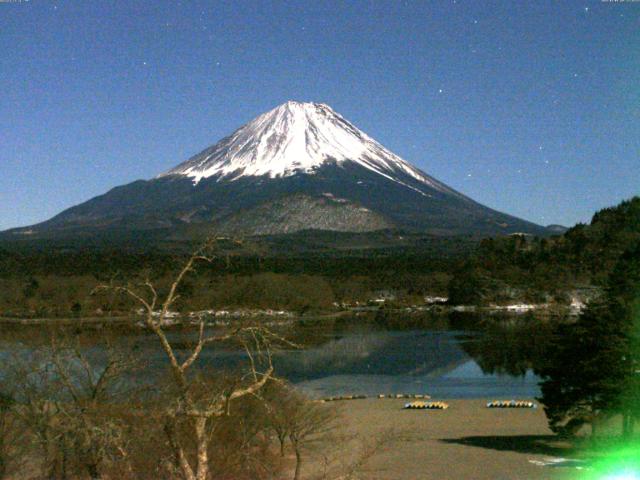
[444, 359]
[418, 361]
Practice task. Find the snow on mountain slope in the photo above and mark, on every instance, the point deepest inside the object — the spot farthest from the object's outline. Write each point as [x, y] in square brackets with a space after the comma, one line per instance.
[296, 138]
[297, 167]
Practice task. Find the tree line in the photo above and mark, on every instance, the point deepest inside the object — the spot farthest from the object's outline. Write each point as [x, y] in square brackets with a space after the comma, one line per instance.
[516, 268]
[520, 267]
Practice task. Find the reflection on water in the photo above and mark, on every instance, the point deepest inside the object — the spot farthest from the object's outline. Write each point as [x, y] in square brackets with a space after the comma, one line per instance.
[458, 358]
[440, 363]
[509, 347]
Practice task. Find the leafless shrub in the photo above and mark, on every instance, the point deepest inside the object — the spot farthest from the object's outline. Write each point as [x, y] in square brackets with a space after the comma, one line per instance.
[356, 468]
[67, 406]
[10, 431]
[194, 411]
[304, 423]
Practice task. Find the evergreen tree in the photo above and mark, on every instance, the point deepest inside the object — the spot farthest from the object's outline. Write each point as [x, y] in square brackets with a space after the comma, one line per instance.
[593, 364]
[584, 375]
[467, 287]
[623, 294]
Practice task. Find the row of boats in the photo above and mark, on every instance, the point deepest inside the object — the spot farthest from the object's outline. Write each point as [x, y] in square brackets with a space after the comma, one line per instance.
[390, 395]
[494, 404]
[426, 406]
[421, 404]
[511, 404]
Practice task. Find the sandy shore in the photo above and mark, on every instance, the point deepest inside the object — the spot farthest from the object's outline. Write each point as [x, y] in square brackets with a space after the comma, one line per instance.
[466, 441]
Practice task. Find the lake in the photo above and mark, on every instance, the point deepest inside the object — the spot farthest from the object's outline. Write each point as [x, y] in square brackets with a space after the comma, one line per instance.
[445, 357]
[415, 362]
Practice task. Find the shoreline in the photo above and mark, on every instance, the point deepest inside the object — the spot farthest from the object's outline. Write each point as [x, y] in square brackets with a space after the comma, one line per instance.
[225, 317]
[486, 443]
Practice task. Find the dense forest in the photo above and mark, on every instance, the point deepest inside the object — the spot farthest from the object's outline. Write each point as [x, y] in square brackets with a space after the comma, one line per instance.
[541, 269]
[317, 271]
[58, 282]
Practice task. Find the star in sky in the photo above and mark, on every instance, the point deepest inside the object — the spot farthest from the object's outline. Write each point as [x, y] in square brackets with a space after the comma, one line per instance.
[576, 63]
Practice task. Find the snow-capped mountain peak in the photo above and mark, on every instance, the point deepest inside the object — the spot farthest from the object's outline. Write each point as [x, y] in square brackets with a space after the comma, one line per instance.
[297, 137]
[298, 167]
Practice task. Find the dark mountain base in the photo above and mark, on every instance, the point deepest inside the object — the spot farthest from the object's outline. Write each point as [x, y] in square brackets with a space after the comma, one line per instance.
[340, 198]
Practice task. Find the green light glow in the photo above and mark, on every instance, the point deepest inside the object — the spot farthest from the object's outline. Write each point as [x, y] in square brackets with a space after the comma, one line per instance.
[616, 464]
[621, 476]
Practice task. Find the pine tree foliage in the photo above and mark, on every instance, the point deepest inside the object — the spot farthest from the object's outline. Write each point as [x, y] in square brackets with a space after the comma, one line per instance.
[593, 365]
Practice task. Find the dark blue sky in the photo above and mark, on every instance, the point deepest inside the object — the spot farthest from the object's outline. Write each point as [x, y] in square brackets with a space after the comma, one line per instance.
[530, 107]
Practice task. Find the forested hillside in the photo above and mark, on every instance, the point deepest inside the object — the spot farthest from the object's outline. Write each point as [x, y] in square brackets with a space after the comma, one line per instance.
[57, 282]
[317, 270]
[537, 269]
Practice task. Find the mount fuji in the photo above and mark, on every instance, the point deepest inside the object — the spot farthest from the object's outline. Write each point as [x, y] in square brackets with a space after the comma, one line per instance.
[300, 166]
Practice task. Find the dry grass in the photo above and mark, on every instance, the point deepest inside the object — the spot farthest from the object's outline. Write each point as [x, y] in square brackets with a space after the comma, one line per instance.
[467, 441]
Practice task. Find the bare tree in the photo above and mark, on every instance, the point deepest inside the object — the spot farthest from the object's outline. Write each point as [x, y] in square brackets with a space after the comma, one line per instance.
[294, 417]
[197, 409]
[34, 406]
[312, 427]
[308, 424]
[356, 468]
[89, 388]
[65, 404]
[8, 428]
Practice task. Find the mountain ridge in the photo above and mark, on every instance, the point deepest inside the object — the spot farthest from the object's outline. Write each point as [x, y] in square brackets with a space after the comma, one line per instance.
[272, 144]
[299, 166]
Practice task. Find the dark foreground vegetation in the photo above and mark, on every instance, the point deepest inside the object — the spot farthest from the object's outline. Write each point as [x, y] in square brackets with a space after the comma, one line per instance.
[592, 372]
[69, 410]
[589, 364]
[65, 414]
